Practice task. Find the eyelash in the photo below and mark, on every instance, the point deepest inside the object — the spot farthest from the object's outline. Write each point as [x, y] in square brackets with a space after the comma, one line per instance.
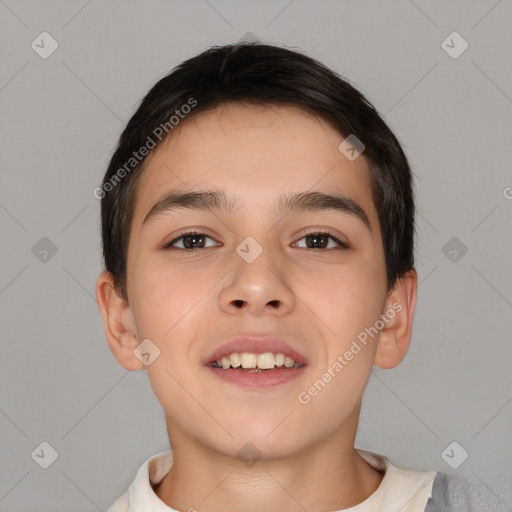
[169, 245]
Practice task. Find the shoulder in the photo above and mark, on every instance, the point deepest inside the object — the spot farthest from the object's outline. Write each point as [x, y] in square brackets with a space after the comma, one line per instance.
[455, 494]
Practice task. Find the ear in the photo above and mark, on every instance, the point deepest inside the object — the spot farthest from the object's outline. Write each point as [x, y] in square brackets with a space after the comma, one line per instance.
[119, 323]
[395, 336]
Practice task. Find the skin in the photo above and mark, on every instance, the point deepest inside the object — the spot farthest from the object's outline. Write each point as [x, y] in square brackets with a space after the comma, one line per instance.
[318, 300]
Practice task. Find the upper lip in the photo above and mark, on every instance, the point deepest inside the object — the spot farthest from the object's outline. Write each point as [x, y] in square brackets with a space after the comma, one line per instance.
[256, 345]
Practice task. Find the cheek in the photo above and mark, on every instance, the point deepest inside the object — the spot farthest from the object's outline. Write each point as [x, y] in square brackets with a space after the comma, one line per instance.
[164, 293]
[164, 309]
[170, 298]
[351, 305]
[346, 299]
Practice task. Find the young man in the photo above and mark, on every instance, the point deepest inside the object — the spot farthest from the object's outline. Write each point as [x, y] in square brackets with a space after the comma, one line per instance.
[257, 223]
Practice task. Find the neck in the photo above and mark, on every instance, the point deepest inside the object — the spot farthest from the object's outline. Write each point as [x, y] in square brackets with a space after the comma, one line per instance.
[327, 476]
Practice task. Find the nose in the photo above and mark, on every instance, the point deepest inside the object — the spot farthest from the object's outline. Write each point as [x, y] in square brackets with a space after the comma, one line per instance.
[258, 288]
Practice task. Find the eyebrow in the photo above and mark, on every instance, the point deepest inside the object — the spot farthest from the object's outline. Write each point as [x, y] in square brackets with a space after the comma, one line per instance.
[311, 201]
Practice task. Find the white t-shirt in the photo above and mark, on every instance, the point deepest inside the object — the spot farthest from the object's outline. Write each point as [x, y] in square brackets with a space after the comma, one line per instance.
[400, 489]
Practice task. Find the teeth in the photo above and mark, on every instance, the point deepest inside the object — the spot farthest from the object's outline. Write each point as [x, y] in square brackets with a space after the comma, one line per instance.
[266, 361]
[248, 360]
[236, 360]
[288, 362]
[279, 359]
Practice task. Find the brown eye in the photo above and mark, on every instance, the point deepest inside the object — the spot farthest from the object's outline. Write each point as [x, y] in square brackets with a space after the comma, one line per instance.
[189, 241]
[321, 240]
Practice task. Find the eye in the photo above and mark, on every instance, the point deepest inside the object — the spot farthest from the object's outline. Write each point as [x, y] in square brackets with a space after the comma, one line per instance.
[190, 241]
[321, 240]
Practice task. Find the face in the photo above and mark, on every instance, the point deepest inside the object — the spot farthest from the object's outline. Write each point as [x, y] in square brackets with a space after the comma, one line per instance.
[312, 278]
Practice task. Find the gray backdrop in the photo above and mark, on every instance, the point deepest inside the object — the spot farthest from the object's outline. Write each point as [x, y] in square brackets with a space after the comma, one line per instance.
[446, 407]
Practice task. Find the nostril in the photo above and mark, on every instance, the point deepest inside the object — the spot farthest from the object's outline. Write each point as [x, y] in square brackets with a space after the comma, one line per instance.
[239, 303]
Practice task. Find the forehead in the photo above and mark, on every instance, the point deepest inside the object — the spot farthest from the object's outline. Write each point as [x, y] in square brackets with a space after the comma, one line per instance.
[255, 152]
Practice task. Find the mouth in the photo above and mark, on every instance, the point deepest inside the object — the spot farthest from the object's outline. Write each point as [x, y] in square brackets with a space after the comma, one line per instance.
[256, 362]
[246, 352]
[252, 362]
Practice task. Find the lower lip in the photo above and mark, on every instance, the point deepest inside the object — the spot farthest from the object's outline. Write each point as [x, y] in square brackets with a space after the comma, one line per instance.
[262, 380]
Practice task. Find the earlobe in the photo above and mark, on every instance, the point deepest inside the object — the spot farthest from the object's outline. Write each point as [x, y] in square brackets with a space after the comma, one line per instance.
[119, 323]
[395, 336]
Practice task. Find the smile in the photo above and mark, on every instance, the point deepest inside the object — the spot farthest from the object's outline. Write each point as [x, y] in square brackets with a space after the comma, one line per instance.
[250, 361]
